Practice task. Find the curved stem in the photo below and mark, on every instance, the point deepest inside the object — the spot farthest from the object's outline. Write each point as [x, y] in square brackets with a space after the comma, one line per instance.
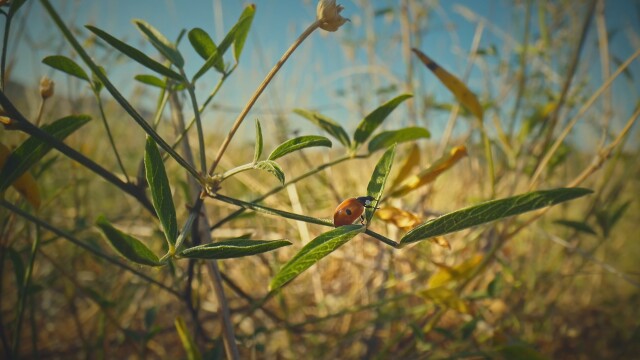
[110, 136]
[196, 116]
[258, 92]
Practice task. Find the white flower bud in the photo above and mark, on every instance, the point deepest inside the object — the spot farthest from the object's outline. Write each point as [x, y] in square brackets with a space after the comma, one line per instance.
[328, 13]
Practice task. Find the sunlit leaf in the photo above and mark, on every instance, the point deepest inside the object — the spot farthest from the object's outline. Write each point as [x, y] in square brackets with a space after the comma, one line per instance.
[25, 184]
[126, 245]
[160, 191]
[447, 298]
[576, 225]
[398, 217]
[491, 211]
[151, 80]
[447, 275]
[188, 343]
[298, 143]
[387, 138]
[431, 173]
[457, 87]
[379, 179]
[371, 122]
[272, 167]
[135, 54]
[66, 65]
[412, 160]
[326, 124]
[206, 48]
[33, 149]
[242, 30]
[259, 144]
[315, 250]
[160, 42]
[232, 248]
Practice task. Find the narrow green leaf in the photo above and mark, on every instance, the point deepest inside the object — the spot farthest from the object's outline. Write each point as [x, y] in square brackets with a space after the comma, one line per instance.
[151, 80]
[188, 343]
[258, 149]
[298, 143]
[160, 42]
[66, 65]
[387, 138]
[33, 149]
[379, 179]
[126, 245]
[233, 248]
[315, 250]
[135, 54]
[371, 122]
[216, 59]
[490, 211]
[576, 225]
[160, 191]
[272, 167]
[242, 30]
[326, 124]
[202, 43]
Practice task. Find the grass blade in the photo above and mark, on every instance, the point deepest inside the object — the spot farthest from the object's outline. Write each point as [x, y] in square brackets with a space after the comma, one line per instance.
[387, 138]
[126, 245]
[311, 253]
[188, 343]
[298, 143]
[371, 122]
[232, 248]
[160, 191]
[491, 211]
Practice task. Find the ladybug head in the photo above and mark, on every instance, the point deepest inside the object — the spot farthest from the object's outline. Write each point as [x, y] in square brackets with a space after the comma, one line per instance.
[365, 201]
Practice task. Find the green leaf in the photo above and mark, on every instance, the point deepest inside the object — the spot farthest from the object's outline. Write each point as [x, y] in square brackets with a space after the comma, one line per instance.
[242, 30]
[326, 124]
[97, 83]
[160, 42]
[258, 149]
[151, 80]
[387, 138]
[311, 253]
[33, 149]
[298, 143]
[576, 225]
[126, 245]
[232, 248]
[272, 167]
[371, 122]
[160, 191]
[206, 48]
[216, 59]
[490, 211]
[188, 343]
[135, 54]
[66, 65]
[379, 179]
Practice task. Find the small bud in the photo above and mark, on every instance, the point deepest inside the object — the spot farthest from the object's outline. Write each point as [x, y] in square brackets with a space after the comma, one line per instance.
[328, 13]
[46, 87]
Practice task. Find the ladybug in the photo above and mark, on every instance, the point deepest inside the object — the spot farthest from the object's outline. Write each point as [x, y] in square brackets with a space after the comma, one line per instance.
[349, 210]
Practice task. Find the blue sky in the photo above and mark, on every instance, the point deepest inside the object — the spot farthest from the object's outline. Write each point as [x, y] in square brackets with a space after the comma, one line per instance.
[322, 74]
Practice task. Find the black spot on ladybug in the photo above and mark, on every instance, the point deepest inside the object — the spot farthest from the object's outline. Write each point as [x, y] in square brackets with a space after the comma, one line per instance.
[348, 211]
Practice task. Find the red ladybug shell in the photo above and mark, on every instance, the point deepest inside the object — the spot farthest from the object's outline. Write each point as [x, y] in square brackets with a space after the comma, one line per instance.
[350, 210]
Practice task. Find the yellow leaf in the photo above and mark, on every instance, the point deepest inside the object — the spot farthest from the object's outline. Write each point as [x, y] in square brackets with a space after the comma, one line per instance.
[440, 240]
[412, 160]
[447, 274]
[25, 184]
[457, 87]
[447, 298]
[432, 172]
[398, 217]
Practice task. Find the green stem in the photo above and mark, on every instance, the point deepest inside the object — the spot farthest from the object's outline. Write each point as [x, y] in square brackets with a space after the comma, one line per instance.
[5, 45]
[196, 116]
[84, 246]
[115, 93]
[110, 136]
[237, 170]
[24, 292]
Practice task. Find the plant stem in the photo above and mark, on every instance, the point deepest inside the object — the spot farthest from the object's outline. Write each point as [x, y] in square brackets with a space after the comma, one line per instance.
[196, 116]
[110, 136]
[24, 291]
[258, 92]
